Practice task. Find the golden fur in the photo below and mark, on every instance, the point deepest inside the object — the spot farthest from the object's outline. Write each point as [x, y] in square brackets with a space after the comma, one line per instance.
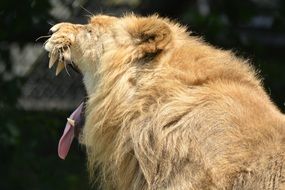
[168, 111]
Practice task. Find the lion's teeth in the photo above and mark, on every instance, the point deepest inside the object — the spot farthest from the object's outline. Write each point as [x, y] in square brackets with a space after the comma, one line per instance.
[71, 121]
[52, 60]
[59, 68]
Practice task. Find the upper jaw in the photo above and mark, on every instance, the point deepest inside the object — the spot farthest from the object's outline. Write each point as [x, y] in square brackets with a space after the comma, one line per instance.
[59, 45]
[60, 56]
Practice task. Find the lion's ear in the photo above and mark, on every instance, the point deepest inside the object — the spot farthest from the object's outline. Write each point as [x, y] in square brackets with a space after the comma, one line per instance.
[147, 34]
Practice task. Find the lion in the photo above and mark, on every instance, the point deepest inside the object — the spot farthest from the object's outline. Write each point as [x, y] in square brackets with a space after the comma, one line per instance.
[166, 110]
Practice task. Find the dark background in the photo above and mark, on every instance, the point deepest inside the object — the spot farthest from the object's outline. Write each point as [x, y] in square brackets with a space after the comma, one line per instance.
[31, 123]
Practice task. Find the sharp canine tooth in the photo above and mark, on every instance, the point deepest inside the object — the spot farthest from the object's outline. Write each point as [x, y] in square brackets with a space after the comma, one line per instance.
[71, 121]
[52, 60]
[59, 68]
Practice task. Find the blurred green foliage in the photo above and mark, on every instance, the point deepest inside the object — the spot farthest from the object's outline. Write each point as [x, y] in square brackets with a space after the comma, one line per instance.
[23, 19]
[29, 139]
[28, 148]
[28, 153]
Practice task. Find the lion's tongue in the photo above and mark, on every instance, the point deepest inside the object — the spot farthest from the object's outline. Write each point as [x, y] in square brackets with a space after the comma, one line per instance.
[68, 134]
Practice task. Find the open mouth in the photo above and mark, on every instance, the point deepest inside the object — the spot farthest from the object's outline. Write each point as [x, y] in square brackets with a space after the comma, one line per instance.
[62, 57]
[76, 120]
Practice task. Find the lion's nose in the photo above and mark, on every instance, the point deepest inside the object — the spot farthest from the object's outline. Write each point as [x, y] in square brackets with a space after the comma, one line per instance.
[54, 28]
[50, 32]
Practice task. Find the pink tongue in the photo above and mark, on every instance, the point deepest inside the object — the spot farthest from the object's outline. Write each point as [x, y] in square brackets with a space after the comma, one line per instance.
[68, 134]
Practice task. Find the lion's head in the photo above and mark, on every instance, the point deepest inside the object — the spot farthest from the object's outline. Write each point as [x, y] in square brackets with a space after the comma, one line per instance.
[109, 42]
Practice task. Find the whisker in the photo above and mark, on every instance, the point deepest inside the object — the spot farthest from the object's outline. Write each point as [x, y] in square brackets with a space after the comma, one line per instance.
[86, 10]
[68, 48]
[66, 69]
[73, 65]
[42, 37]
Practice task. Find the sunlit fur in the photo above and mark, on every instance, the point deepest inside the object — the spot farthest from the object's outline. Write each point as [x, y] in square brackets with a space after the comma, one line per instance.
[168, 111]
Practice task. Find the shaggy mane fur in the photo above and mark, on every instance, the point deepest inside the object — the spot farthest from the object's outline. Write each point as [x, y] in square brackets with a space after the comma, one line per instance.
[168, 111]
